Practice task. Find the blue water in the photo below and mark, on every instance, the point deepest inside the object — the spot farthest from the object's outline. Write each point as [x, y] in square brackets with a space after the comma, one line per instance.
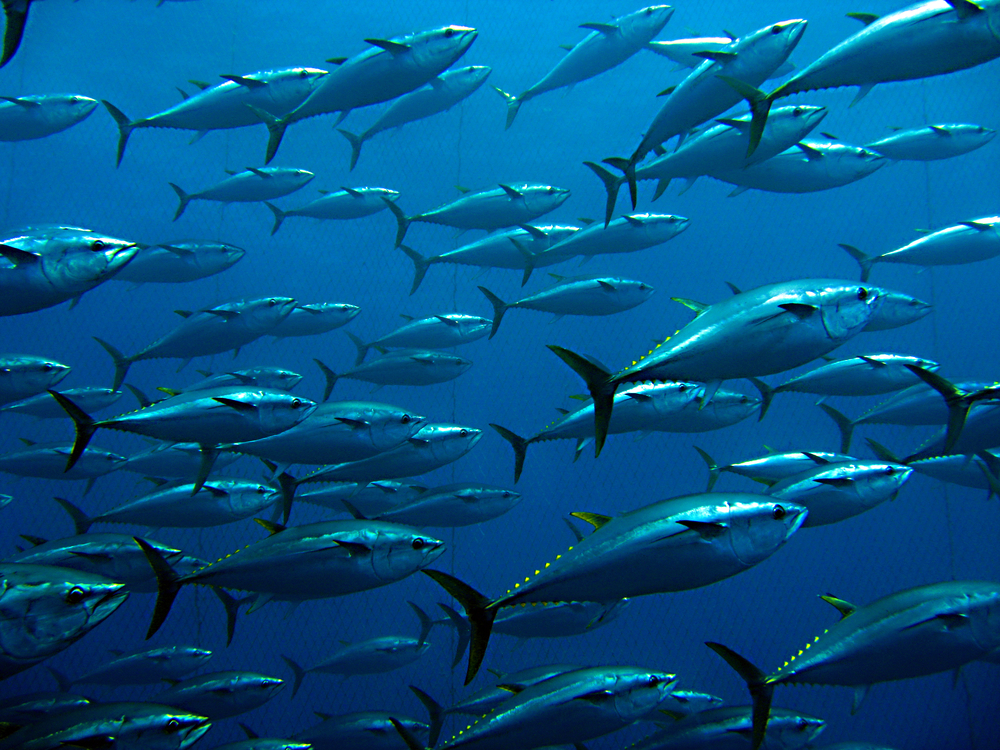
[134, 54]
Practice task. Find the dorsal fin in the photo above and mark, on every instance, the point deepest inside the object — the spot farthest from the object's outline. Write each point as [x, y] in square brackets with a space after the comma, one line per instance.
[594, 519]
[272, 527]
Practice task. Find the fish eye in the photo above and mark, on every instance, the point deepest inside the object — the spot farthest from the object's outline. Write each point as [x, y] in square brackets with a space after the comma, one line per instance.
[681, 388]
[654, 681]
[802, 725]
[173, 725]
[75, 595]
[261, 489]
[649, 11]
[406, 419]
[296, 403]
[743, 399]
[778, 513]
[776, 29]
[643, 287]
[97, 245]
[797, 111]
[463, 432]
[271, 302]
[303, 74]
[418, 543]
[448, 33]
[505, 494]
[862, 293]
[550, 191]
[890, 471]
[46, 367]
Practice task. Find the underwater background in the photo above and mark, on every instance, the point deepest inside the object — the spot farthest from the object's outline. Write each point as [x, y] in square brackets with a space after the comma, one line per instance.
[134, 54]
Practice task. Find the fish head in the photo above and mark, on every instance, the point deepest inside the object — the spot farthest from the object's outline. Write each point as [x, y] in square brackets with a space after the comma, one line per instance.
[48, 608]
[877, 480]
[610, 612]
[261, 315]
[472, 77]
[309, 78]
[895, 310]
[218, 255]
[794, 123]
[730, 407]
[689, 702]
[161, 728]
[274, 377]
[278, 411]
[639, 692]
[541, 199]
[27, 374]
[640, 27]
[388, 426]
[660, 227]
[758, 528]
[631, 293]
[447, 442]
[399, 551]
[80, 261]
[774, 42]
[792, 730]
[846, 308]
[437, 49]
[983, 602]
[80, 106]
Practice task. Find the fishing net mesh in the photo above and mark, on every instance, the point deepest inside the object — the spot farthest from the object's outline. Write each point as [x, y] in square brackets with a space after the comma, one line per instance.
[931, 533]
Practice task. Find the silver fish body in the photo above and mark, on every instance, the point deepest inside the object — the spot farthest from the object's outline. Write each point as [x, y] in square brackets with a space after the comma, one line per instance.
[173, 460]
[180, 262]
[48, 461]
[837, 491]
[264, 377]
[338, 432]
[341, 205]
[31, 707]
[729, 728]
[315, 318]
[896, 310]
[461, 504]
[43, 406]
[626, 234]
[45, 609]
[434, 332]
[408, 367]
[482, 702]
[369, 729]
[933, 142]
[148, 667]
[220, 695]
[250, 186]
[25, 118]
[556, 619]
[684, 52]
[370, 499]
[862, 375]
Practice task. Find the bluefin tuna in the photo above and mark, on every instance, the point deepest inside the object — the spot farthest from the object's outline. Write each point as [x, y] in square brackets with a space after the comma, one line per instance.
[148, 667]
[220, 695]
[180, 262]
[496, 208]
[25, 375]
[933, 142]
[43, 406]
[432, 332]
[341, 205]
[609, 44]
[731, 727]
[626, 234]
[250, 186]
[401, 367]
[861, 375]
[314, 318]
[24, 118]
[438, 95]
[452, 505]
[911, 633]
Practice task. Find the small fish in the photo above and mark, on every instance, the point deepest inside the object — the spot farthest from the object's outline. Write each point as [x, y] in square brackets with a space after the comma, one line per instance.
[907, 634]
[520, 248]
[482, 702]
[933, 142]
[438, 95]
[25, 375]
[180, 262]
[966, 242]
[496, 208]
[43, 406]
[678, 544]
[453, 505]
[412, 367]
[262, 377]
[48, 461]
[369, 498]
[591, 296]
[25, 118]
[608, 45]
[344, 204]
[149, 667]
[227, 105]
[31, 707]
[368, 729]
[46, 609]
[372, 656]
[314, 318]
[251, 186]
[626, 234]
[432, 332]
[684, 52]
[774, 466]
[173, 460]
[211, 330]
[220, 695]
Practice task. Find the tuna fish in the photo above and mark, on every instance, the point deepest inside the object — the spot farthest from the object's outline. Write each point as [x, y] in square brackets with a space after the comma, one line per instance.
[227, 105]
[315, 318]
[933, 142]
[25, 375]
[220, 695]
[400, 367]
[861, 375]
[678, 544]
[346, 203]
[720, 728]
[589, 295]
[432, 332]
[607, 45]
[496, 208]
[966, 242]
[626, 234]
[907, 634]
[149, 667]
[24, 118]
[438, 95]
[180, 262]
[251, 186]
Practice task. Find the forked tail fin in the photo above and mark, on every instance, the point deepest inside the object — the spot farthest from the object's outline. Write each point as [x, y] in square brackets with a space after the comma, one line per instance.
[611, 184]
[513, 106]
[476, 609]
[276, 127]
[402, 220]
[420, 266]
[122, 363]
[184, 199]
[356, 142]
[464, 632]
[434, 712]
[760, 105]
[518, 443]
[602, 389]
[713, 468]
[279, 216]
[125, 128]
[331, 378]
[167, 585]
[85, 427]
[761, 691]
[865, 261]
[499, 308]
[297, 670]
